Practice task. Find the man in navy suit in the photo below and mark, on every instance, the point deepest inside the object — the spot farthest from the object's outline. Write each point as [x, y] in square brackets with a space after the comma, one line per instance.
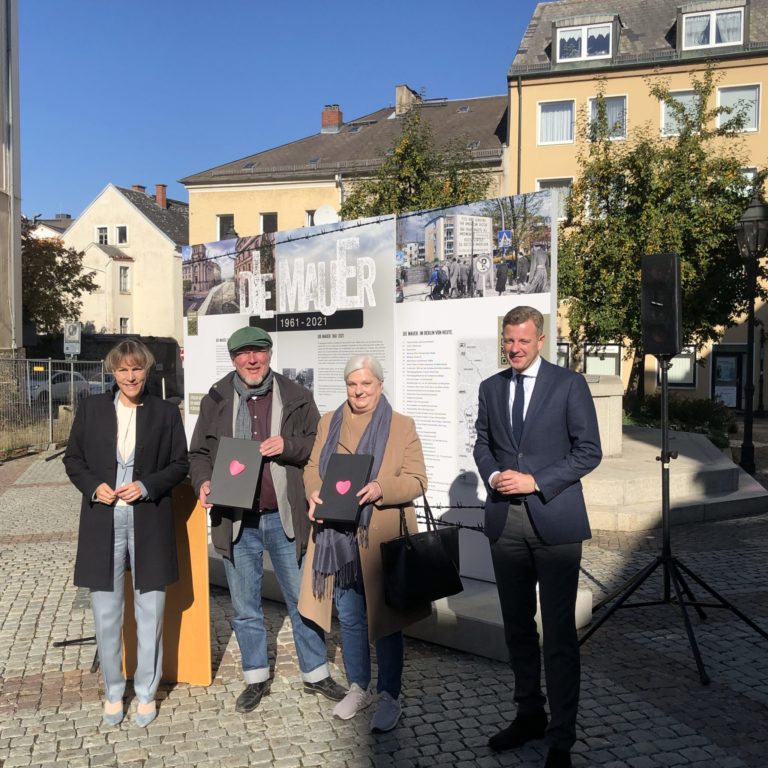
[537, 436]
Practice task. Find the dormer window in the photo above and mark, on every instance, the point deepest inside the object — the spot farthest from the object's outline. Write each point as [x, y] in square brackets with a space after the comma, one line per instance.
[585, 42]
[709, 29]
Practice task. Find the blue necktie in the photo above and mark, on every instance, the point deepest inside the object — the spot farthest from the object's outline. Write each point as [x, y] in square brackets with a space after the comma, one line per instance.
[518, 408]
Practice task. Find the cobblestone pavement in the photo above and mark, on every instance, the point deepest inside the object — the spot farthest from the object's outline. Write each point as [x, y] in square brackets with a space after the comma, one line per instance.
[642, 701]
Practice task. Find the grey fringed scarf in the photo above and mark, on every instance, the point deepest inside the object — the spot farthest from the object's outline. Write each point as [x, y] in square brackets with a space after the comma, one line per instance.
[243, 428]
[336, 550]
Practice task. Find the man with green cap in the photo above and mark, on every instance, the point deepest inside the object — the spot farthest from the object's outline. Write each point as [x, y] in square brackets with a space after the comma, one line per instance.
[255, 403]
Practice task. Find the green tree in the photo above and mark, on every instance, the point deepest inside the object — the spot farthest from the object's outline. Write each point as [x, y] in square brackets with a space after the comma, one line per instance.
[521, 214]
[417, 175]
[52, 281]
[650, 194]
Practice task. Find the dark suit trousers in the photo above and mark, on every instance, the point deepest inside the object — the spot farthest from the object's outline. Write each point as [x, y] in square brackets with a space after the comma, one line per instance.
[520, 560]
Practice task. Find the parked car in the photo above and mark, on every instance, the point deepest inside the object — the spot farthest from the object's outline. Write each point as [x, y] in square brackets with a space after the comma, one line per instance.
[98, 386]
[65, 386]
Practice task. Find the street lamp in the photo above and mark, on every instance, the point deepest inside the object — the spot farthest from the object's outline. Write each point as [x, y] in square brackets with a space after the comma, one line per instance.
[752, 238]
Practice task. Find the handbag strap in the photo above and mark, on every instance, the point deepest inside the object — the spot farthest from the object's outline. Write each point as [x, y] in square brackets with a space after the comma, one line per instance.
[403, 523]
[430, 518]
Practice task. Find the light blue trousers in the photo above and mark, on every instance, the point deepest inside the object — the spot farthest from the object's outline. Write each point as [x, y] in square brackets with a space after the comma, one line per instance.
[108, 608]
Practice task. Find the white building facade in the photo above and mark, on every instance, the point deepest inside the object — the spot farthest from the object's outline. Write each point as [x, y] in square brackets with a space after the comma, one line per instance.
[132, 241]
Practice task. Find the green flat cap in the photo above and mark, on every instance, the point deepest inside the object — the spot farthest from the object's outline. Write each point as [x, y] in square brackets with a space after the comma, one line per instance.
[248, 337]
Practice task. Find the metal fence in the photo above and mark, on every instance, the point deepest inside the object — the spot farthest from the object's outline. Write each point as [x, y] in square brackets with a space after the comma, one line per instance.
[38, 400]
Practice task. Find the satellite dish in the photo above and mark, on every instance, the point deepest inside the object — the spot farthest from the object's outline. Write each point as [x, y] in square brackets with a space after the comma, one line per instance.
[325, 214]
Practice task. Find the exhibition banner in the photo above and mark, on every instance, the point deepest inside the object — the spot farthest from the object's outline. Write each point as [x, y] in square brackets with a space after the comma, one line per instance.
[424, 292]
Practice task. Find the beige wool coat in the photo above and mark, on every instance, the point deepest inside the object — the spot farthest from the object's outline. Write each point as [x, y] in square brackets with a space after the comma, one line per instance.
[401, 470]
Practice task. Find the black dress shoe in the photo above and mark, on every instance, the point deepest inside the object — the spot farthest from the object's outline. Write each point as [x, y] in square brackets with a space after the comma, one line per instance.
[249, 699]
[525, 727]
[327, 687]
[558, 758]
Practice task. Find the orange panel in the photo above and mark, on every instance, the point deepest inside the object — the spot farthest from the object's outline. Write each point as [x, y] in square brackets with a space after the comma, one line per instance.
[187, 628]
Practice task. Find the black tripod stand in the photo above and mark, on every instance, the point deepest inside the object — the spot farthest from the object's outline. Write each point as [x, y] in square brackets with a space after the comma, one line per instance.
[77, 640]
[81, 641]
[672, 568]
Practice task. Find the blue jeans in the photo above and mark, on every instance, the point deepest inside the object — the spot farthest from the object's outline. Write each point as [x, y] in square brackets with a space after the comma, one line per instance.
[355, 646]
[244, 577]
[148, 609]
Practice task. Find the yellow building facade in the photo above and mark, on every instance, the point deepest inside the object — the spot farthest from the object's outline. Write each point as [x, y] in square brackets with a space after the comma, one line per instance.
[533, 162]
[571, 50]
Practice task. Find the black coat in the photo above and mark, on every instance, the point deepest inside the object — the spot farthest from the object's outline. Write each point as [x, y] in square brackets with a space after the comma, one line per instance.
[160, 463]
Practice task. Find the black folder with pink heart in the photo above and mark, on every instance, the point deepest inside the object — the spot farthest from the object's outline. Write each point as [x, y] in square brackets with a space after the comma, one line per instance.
[236, 472]
[345, 475]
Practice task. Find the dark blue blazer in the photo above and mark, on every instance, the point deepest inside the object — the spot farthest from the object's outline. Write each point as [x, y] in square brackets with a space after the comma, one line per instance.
[559, 445]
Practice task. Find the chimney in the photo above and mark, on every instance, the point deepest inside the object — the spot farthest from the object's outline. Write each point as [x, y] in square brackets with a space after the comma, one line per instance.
[139, 188]
[405, 98]
[331, 121]
[160, 195]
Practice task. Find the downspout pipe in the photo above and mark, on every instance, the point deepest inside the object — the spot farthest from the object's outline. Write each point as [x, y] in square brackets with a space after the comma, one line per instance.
[519, 132]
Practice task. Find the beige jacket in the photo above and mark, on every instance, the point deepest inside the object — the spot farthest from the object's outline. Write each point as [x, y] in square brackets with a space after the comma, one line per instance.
[401, 470]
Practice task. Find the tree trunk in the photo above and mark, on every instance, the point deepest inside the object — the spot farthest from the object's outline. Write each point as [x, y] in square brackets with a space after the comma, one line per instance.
[636, 387]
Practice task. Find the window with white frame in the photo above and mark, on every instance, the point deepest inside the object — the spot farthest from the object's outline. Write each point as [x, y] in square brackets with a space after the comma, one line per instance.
[563, 354]
[124, 325]
[615, 115]
[682, 370]
[102, 235]
[309, 218]
[563, 189]
[588, 41]
[744, 99]
[121, 233]
[670, 125]
[556, 122]
[603, 359]
[125, 280]
[712, 28]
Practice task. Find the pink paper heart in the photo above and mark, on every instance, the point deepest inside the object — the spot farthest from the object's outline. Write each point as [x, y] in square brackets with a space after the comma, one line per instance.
[342, 486]
[235, 467]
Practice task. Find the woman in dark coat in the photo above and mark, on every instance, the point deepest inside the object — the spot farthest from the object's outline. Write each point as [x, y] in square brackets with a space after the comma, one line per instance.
[126, 452]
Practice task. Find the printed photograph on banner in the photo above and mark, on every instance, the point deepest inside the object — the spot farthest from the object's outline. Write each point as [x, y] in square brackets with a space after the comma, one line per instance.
[331, 269]
[304, 377]
[225, 277]
[491, 248]
[334, 300]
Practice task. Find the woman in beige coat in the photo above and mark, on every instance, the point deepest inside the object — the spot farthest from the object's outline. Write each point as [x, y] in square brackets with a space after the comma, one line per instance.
[348, 567]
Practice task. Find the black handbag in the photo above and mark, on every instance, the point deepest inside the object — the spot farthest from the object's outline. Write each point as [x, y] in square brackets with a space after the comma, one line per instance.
[421, 567]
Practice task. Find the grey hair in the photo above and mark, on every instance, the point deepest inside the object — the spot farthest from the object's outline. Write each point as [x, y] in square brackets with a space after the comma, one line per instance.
[358, 362]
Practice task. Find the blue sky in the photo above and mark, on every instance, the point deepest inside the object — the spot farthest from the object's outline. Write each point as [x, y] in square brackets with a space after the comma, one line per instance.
[148, 91]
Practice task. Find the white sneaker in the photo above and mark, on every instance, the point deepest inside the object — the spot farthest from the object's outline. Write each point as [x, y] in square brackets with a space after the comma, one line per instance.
[355, 700]
[387, 714]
